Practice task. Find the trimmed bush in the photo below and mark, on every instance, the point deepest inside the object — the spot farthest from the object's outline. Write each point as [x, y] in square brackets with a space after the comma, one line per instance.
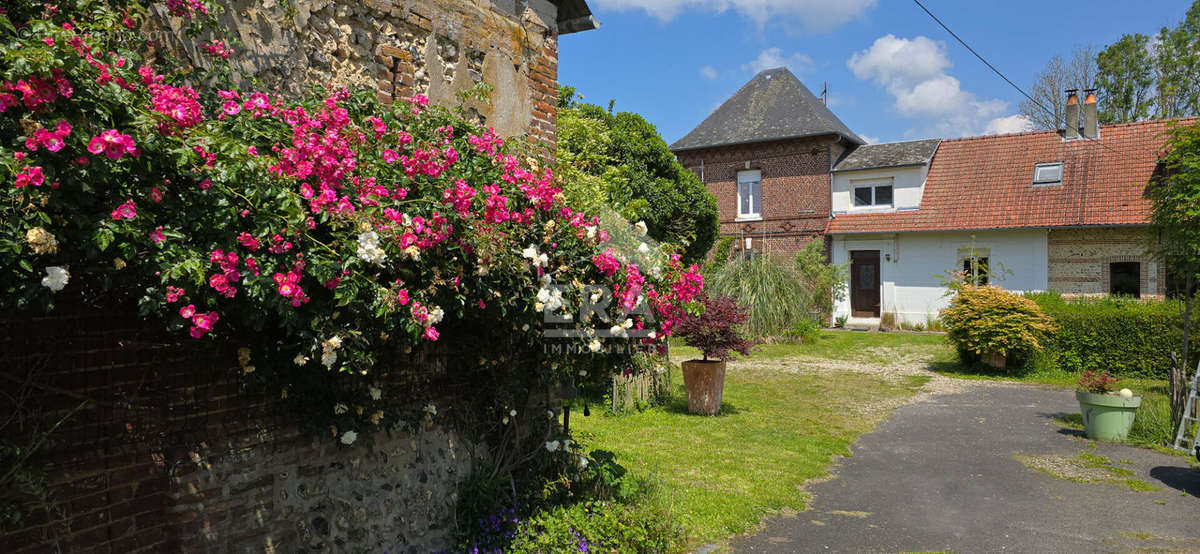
[1126, 337]
[986, 320]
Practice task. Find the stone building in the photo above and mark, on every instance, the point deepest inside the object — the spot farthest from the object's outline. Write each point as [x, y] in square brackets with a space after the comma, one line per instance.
[168, 449]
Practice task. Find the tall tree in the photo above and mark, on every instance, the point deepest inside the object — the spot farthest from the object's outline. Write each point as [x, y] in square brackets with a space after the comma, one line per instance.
[619, 161]
[1050, 86]
[1176, 221]
[1177, 67]
[1125, 77]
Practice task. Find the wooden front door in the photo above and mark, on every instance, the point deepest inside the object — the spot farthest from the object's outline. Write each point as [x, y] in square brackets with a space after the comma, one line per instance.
[864, 283]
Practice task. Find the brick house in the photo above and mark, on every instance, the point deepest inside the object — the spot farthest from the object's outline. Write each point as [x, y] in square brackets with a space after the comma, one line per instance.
[766, 155]
[1057, 210]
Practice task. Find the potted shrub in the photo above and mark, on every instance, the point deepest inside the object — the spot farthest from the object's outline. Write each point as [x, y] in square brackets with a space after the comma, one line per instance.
[1107, 415]
[714, 332]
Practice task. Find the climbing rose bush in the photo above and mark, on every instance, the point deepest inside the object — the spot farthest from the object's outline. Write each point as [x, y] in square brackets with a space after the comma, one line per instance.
[322, 235]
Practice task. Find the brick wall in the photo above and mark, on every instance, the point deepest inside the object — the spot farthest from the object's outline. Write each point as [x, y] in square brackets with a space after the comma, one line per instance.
[1079, 258]
[403, 47]
[176, 452]
[795, 190]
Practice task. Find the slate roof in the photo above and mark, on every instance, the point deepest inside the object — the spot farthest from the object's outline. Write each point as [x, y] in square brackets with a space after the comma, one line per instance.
[982, 183]
[773, 105]
[892, 154]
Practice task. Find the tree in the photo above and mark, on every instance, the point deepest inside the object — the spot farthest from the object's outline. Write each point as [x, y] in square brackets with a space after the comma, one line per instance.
[620, 161]
[1049, 87]
[1177, 67]
[1125, 77]
[1175, 220]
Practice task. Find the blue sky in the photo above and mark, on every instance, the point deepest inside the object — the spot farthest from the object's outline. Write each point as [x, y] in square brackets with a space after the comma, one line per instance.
[893, 73]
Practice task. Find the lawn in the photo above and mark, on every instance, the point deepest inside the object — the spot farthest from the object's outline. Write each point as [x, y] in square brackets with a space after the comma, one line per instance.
[783, 421]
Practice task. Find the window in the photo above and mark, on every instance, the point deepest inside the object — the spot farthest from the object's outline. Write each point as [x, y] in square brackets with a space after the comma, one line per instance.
[873, 195]
[976, 269]
[749, 194]
[1125, 278]
[1048, 174]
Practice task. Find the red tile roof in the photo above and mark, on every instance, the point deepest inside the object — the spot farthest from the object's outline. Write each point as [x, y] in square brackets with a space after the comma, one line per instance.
[987, 183]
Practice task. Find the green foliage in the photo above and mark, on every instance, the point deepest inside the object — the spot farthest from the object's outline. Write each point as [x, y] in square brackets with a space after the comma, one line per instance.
[780, 295]
[806, 331]
[823, 282]
[1125, 78]
[599, 527]
[1153, 426]
[770, 290]
[987, 320]
[720, 254]
[619, 161]
[1127, 337]
[1141, 77]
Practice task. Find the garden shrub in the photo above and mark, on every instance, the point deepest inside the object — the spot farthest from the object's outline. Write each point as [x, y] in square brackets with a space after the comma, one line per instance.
[599, 527]
[1124, 336]
[986, 319]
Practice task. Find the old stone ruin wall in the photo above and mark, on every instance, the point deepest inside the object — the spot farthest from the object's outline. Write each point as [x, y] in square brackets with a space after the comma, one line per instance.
[402, 47]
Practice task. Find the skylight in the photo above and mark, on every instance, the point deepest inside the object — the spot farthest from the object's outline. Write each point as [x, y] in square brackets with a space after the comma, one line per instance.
[1045, 174]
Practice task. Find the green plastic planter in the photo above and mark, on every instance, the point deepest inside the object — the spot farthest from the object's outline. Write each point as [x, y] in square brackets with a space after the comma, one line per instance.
[1107, 417]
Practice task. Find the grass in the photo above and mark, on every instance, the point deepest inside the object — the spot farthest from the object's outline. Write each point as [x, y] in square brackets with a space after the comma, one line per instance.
[776, 430]
[843, 345]
[1086, 467]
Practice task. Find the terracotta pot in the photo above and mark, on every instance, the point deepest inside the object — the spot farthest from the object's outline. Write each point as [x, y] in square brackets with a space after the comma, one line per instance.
[704, 381]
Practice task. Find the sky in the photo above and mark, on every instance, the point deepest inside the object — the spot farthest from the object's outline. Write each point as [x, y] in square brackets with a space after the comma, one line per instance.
[893, 74]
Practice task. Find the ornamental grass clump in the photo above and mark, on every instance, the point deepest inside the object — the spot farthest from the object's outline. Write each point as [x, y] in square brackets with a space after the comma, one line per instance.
[716, 329]
[988, 320]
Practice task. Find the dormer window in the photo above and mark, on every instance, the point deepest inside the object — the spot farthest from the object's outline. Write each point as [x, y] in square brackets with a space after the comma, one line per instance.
[872, 193]
[1047, 174]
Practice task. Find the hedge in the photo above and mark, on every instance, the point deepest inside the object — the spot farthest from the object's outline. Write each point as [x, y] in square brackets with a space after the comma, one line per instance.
[1127, 337]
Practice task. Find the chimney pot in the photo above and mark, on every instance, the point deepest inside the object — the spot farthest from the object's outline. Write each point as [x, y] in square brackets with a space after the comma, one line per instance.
[1072, 130]
[1091, 129]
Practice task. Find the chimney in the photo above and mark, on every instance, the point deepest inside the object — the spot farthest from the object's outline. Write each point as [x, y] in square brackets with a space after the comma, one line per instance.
[1090, 129]
[1072, 130]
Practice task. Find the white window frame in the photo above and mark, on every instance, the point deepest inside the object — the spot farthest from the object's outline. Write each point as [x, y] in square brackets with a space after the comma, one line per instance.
[1047, 183]
[873, 185]
[749, 176]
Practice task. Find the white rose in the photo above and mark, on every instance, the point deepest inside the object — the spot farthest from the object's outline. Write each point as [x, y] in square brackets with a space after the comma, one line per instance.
[349, 437]
[339, 408]
[376, 393]
[594, 346]
[643, 248]
[551, 445]
[641, 228]
[56, 278]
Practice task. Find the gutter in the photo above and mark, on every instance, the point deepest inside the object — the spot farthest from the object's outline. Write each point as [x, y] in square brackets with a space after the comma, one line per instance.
[980, 229]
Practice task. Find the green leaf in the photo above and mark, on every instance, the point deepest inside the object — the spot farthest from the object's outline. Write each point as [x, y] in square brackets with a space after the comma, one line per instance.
[104, 237]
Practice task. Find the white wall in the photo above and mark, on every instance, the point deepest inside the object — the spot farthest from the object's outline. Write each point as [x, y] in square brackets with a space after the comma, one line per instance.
[907, 186]
[911, 288]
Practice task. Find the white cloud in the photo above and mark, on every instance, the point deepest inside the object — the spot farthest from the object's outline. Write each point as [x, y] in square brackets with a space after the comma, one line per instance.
[1012, 124]
[913, 71]
[813, 15]
[708, 72]
[773, 57]
[870, 140]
